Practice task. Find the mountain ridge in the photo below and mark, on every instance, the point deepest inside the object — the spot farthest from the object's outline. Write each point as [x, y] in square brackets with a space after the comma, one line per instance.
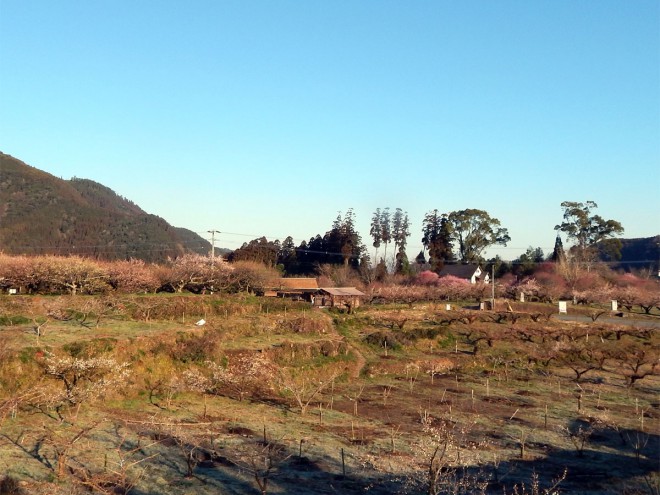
[43, 214]
[638, 253]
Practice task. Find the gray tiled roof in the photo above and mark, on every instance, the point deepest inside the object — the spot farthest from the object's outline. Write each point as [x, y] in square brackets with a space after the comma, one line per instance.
[460, 271]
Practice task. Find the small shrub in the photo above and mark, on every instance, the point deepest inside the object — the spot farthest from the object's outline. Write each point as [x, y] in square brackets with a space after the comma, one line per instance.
[328, 348]
[423, 333]
[13, 320]
[447, 341]
[10, 486]
[387, 340]
[194, 348]
[90, 348]
[28, 354]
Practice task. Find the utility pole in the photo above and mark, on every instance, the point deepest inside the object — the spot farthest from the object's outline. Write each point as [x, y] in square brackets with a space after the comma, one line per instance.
[213, 232]
[492, 282]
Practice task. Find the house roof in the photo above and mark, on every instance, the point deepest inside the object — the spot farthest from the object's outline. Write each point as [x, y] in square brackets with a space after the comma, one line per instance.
[460, 271]
[342, 291]
[293, 283]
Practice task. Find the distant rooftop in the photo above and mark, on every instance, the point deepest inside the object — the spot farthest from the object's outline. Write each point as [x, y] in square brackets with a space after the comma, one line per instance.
[459, 271]
[342, 291]
[294, 283]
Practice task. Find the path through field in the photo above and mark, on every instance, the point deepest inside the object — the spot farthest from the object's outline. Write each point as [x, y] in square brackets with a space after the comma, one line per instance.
[359, 364]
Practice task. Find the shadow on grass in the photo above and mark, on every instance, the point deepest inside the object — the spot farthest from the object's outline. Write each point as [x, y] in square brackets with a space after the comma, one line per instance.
[601, 456]
[604, 460]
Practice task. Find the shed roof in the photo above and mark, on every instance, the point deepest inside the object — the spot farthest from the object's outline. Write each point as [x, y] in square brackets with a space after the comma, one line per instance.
[342, 291]
[298, 283]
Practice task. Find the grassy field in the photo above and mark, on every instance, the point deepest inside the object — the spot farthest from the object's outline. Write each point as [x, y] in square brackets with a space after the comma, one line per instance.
[130, 395]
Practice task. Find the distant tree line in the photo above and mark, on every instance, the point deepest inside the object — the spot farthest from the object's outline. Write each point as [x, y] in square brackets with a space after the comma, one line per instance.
[471, 231]
[447, 238]
[341, 245]
[455, 237]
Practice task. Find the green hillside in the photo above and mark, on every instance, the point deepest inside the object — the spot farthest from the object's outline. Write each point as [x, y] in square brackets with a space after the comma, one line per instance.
[42, 214]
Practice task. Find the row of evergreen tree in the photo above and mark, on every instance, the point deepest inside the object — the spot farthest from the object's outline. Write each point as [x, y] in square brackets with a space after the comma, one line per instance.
[342, 244]
[471, 231]
[458, 236]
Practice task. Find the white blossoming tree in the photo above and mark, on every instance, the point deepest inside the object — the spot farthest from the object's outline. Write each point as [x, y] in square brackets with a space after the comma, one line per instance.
[82, 379]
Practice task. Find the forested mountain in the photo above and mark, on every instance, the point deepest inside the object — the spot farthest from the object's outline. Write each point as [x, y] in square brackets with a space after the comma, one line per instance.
[640, 253]
[42, 214]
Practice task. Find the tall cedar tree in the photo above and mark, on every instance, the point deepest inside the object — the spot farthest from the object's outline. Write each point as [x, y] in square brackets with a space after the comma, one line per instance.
[400, 234]
[287, 256]
[353, 250]
[436, 237]
[376, 230]
[558, 254]
[342, 244]
[385, 228]
[260, 250]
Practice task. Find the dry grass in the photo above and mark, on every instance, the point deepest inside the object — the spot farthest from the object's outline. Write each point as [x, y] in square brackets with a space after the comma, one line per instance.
[493, 402]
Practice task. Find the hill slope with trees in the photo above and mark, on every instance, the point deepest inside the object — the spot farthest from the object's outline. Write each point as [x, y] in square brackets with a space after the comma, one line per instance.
[637, 254]
[42, 214]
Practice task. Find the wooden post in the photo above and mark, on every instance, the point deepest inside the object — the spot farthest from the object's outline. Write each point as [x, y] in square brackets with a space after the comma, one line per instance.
[492, 283]
[579, 402]
[343, 463]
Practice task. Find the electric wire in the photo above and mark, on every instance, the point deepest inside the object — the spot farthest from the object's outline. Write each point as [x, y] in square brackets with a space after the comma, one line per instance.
[160, 246]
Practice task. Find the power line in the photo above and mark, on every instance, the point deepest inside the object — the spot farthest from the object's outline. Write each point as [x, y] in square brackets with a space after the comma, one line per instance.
[108, 250]
[111, 244]
[144, 247]
[105, 249]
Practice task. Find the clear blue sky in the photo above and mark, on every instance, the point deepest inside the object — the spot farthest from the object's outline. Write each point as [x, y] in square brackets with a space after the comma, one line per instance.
[267, 117]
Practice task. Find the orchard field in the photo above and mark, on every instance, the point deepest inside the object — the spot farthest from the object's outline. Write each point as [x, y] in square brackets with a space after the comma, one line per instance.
[128, 394]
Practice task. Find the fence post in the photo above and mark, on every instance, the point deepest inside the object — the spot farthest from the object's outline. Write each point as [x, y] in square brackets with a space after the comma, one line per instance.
[343, 463]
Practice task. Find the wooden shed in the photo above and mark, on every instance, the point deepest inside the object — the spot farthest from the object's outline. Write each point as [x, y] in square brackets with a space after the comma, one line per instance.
[338, 297]
[295, 288]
